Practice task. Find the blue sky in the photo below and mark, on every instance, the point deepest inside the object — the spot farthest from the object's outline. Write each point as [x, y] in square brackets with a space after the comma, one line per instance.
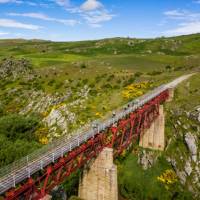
[69, 20]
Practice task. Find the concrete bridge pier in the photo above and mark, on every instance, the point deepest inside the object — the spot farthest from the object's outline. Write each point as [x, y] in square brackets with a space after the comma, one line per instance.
[171, 94]
[100, 181]
[154, 137]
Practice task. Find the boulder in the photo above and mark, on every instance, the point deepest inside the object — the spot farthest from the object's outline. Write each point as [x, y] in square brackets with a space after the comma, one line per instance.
[198, 118]
[191, 144]
[146, 159]
[182, 176]
[188, 167]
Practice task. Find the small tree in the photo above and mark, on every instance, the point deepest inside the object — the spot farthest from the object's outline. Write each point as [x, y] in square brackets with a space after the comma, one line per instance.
[168, 67]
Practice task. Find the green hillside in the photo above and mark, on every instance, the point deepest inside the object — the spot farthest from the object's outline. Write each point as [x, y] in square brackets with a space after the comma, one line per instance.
[118, 51]
[50, 89]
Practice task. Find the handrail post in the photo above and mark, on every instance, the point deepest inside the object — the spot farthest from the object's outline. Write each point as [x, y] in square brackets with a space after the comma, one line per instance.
[62, 152]
[70, 146]
[53, 157]
[14, 182]
[41, 164]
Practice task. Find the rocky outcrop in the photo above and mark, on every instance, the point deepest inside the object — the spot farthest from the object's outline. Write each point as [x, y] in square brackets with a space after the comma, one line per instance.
[59, 118]
[56, 112]
[41, 102]
[195, 114]
[183, 151]
[146, 159]
[191, 144]
[10, 67]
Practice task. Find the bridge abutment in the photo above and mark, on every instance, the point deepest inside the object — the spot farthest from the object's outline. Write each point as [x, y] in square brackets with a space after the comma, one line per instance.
[154, 137]
[100, 181]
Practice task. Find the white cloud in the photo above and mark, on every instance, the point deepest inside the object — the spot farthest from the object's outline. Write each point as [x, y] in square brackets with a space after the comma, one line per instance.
[185, 28]
[92, 11]
[70, 22]
[89, 5]
[15, 24]
[63, 2]
[3, 33]
[174, 13]
[187, 22]
[182, 15]
[94, 18]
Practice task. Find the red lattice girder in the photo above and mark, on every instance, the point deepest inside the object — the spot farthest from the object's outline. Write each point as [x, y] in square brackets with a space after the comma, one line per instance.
[119, 137]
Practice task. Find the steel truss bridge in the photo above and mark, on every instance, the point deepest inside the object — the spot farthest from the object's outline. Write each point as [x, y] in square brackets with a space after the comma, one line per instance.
[37, 174]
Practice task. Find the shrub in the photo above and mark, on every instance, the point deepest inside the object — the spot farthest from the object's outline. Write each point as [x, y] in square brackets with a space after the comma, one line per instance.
[107, 86]
[93, 92]
[97, 79]
[116, 87]
[83, 66]
[14, 150]
[91, 85]
[119, 81]
[110, 78]
[37, 86]
[153, 73]
[168, 67]
[138, 74]
[130, 80]
[16, 126]
[168, 178]
[51, 82]
[85, 81]
[58, 85]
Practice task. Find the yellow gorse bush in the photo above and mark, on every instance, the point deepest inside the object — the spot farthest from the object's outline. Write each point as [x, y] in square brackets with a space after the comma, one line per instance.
[135, 90]
[43, 140]
[55, 107]
[41, 134]
[98, 114]
[168, 177]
